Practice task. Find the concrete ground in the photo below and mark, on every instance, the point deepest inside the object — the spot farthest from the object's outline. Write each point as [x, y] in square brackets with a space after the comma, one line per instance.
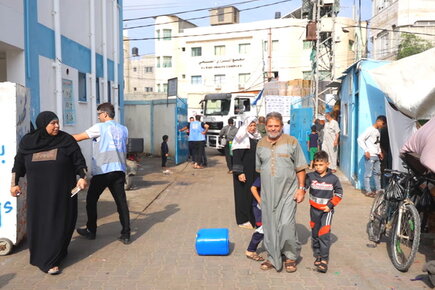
[167, 211]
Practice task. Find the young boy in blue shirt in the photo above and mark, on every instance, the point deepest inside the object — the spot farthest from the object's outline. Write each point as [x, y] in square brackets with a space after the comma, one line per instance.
[325, 193]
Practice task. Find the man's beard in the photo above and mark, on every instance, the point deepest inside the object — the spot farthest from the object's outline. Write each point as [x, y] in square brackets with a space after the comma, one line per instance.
[274, 136]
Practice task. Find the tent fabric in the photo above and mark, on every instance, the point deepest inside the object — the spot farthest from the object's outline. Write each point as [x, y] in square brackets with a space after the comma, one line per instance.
[409, 84]
[400, 129]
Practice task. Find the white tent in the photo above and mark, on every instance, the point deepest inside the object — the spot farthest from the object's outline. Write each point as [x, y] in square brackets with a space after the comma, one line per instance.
[409, 84]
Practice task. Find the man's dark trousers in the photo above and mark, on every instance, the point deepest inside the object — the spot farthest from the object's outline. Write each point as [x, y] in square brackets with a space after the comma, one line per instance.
[115, 182]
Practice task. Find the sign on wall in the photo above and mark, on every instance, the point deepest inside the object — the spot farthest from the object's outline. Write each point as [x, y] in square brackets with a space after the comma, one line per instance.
[69, 111]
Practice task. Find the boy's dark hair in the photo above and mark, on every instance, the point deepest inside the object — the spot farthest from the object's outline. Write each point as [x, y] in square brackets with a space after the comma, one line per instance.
[108, 108]
[230, 121]
[198, 117]
[382, 118]
[165, 137]
[313, 128]
[321, 156]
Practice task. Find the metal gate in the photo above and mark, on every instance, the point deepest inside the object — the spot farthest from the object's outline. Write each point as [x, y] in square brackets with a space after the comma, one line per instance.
[300, 126]
[181, 146]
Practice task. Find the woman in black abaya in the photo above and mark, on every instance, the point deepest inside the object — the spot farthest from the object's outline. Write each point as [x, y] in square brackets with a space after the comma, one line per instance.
[51, 159]
[244, 174]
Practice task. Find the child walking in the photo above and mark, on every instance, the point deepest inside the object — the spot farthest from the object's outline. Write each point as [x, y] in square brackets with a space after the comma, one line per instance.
[313, 144]
[257, 237]
[165, 153]
[325, 193]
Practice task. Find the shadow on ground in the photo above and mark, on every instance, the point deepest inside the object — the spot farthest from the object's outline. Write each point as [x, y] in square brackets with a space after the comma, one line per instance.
[80, 248]
[4, 279]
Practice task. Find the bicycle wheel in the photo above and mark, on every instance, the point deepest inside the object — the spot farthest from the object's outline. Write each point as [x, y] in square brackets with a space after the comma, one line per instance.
[406, 239]
[376, 226]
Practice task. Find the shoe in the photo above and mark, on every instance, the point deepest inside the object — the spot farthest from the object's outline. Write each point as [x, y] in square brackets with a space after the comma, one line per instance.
[86, 233]
[124, 239]
[166, 172]
[54, 271]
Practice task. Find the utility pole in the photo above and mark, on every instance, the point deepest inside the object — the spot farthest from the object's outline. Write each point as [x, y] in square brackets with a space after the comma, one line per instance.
[324, 47]
[316, 66]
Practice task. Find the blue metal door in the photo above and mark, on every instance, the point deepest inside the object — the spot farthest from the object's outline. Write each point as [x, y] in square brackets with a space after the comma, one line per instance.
[300, 126]
[181, 146]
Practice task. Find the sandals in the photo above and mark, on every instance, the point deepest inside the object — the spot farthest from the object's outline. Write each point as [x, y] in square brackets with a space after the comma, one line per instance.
[322, 267]
[317, 261]
[266, 265]
[371, 194]
[290, 266]
[254, 256]
[54, 271]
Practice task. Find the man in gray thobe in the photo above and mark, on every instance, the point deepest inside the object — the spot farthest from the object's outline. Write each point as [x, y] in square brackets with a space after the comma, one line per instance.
[281, 163]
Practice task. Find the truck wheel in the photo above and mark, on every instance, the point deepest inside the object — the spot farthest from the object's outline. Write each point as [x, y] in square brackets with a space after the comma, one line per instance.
[5, 246]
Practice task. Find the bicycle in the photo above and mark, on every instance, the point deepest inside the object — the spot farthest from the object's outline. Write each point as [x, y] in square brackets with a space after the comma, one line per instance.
[394, 215]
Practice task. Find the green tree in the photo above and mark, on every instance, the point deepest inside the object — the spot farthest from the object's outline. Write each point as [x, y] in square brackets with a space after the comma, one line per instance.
[411, 44]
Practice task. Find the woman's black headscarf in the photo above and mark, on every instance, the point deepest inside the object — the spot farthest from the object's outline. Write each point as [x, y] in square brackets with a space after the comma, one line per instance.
[39, 140]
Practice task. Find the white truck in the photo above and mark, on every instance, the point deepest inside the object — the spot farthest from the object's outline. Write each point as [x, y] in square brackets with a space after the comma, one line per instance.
[218, 108]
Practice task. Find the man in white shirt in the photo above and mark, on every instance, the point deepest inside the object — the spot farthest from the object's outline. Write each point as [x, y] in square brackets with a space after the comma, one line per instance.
[331, 134]
[369, 141]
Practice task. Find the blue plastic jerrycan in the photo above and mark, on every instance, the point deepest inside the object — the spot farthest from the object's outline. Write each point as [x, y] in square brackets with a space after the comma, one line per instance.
[212, 242]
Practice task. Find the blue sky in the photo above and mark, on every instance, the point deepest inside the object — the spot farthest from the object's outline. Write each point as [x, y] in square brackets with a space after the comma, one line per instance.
[147, 8]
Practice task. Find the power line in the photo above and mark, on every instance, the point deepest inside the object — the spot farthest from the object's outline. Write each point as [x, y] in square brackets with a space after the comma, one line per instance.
[188, 11]
[202, 17]
[390, 30]
[219, 33]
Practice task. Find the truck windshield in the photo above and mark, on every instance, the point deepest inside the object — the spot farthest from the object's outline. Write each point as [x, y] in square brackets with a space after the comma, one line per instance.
[217, 107]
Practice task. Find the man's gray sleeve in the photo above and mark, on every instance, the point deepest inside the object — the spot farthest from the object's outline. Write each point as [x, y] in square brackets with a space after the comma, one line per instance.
[299, 158]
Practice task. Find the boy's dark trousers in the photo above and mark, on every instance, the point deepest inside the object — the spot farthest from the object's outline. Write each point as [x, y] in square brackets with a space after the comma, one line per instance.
[164, 160]
[257, 236]
[321, 232]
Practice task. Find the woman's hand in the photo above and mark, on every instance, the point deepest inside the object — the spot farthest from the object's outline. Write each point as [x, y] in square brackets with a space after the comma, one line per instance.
[242, 177]
[15, 190]
[82, 183]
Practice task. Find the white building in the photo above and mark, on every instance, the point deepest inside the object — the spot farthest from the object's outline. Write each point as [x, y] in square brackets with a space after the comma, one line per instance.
[230, 56]
[393, 17]
[67, 53]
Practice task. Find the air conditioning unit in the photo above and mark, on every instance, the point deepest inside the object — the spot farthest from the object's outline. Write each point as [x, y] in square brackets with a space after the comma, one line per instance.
[328, 2]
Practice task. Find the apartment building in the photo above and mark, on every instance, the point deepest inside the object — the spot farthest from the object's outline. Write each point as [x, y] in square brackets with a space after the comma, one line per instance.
[68, 54]
[228, 56]
[391, 18]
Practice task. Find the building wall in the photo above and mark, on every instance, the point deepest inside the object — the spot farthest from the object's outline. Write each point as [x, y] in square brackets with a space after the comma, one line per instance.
[151, 120]
[12, 23]
[390, 18]
[361, 103]
[12, 41]
[75, 48]
[139, 75]
[198, 74]
[76, 57]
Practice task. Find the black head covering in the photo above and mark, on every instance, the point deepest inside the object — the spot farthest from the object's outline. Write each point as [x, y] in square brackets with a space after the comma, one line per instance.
[39, 140]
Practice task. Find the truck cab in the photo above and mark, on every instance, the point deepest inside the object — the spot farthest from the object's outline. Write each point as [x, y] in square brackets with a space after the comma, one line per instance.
[218, 108]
